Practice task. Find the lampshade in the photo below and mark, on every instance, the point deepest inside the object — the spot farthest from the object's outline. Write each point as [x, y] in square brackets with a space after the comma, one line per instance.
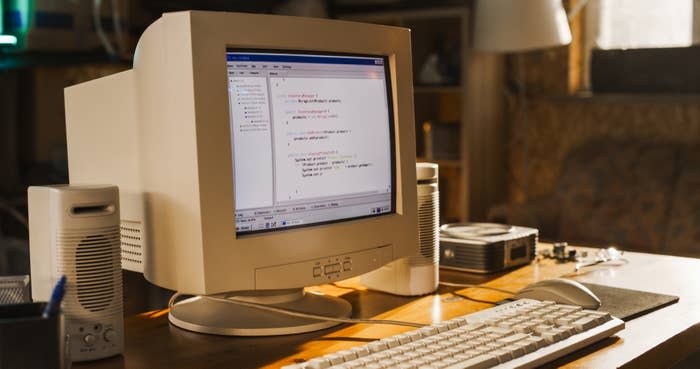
[520, 25]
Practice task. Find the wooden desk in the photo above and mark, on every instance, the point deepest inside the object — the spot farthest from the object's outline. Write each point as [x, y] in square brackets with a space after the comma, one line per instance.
[656, 340]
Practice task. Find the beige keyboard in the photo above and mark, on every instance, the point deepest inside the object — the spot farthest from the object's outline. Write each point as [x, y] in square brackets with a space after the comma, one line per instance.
[519, 334]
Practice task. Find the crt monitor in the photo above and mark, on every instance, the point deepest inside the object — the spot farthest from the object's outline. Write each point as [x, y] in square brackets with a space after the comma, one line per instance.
[255, 155]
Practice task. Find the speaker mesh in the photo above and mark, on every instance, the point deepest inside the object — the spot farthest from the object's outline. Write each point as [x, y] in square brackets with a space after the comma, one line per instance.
[90, 259]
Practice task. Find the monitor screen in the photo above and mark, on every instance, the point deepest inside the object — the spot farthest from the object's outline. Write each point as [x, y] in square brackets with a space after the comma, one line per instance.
[312, 138]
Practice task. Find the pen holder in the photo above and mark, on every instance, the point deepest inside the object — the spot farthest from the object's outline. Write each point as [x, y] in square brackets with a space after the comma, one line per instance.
[28, 341]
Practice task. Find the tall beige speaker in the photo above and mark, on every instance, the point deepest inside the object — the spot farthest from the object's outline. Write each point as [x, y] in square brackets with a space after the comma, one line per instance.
[418, 275]
[74, 231]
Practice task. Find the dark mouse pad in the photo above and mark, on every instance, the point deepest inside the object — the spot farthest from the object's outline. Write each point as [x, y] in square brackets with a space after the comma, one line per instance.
[629, 304]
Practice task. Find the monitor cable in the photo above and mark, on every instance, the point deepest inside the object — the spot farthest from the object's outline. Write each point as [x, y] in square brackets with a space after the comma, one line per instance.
[463, 285]
[298, 314]
[466, 285]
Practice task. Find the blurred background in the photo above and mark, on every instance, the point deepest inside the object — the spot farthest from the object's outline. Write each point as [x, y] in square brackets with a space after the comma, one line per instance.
[580, 118]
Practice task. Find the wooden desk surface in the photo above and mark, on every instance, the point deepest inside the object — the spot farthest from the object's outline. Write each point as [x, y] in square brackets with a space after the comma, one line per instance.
[656, 340]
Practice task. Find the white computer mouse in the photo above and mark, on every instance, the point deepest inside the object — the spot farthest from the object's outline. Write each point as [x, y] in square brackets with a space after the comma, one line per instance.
[560, 290]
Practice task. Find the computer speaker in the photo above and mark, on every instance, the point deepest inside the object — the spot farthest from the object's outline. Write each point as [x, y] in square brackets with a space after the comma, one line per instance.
[74, 231]
[416, 275]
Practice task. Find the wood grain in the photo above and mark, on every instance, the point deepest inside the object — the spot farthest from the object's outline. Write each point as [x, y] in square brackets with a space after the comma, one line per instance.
[656, 340]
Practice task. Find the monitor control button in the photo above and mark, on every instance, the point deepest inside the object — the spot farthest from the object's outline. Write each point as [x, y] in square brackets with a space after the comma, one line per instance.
[110, 335]
[317, 271]
[347, 265]
[89, 339]
[336, 268]
[328, 269]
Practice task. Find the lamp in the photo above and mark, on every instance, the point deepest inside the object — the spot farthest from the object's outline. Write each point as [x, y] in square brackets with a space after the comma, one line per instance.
[520, 25]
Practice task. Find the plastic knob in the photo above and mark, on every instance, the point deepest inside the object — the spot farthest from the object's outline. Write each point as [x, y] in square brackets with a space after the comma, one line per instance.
[89, 339]
[110, 335]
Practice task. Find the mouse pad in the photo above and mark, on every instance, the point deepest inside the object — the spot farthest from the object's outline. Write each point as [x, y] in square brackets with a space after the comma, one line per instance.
[629, 304]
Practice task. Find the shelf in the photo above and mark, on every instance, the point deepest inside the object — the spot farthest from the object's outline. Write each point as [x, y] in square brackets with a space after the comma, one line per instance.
[437, 89]
[446, 163]
[59, 58]
[622, 97]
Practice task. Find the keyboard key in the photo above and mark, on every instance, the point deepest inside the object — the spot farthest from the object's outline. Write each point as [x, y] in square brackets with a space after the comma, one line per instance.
[391, 342]
[335, 359]
[478, 362]
[501, 355]
[414, 335]
[318, 363]
[449, 361]
[528, 347]
[441, 327]
[539, 341]
[360, 351]
[405, 366]
[428, 331]
[512, 338]
[377, 346]
[585, 323]
[498, 331]
[551, 337]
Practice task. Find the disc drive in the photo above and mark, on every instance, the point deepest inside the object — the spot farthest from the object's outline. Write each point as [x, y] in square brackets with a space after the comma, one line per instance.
[485, 247]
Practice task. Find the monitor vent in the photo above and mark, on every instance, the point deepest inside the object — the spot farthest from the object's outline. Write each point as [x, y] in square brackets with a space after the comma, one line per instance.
[132, 245]
[90, 260]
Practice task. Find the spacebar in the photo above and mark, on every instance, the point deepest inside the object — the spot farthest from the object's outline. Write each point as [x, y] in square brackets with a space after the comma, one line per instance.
[477, 362]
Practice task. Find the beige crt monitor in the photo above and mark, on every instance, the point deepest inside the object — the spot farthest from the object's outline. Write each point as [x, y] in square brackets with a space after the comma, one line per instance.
[257, 154]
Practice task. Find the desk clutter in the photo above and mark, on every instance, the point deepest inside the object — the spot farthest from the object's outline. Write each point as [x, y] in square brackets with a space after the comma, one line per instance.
[31, 339]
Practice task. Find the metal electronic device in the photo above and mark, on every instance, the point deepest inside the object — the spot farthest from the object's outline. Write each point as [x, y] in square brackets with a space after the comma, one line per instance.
[485, 247]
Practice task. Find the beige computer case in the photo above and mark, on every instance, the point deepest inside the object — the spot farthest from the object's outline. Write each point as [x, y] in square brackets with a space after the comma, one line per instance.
[161, 132]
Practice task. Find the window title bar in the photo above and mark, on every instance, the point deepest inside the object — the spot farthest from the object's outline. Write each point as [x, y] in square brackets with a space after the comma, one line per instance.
[286, 58]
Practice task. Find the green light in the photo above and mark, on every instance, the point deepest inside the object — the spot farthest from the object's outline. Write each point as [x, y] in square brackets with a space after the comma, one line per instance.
[8, 40]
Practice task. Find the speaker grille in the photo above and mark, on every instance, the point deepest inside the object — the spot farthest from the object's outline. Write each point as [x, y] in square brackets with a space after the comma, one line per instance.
[132, 245]
[429, 226]
[90, 259]
[93, 264]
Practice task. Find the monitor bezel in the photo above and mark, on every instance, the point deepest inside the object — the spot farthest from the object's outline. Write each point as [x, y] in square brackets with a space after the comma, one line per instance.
[231, 263]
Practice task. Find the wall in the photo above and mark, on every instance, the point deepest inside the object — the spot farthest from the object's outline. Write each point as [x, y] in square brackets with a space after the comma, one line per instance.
[552, 126]
[545, 121]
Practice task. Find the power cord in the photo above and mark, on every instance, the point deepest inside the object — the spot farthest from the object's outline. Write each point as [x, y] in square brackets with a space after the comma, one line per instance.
[15, 214]
[462, 285]
[298, 314]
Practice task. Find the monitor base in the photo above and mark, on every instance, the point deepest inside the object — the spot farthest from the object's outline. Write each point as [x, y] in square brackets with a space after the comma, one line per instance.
[203, 315]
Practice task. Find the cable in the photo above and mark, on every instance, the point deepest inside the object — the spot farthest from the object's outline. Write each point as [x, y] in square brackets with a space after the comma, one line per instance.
[298, 314]
[449, 284]
[118, 31]
[474, 299]
[15, 214]
[97, 20]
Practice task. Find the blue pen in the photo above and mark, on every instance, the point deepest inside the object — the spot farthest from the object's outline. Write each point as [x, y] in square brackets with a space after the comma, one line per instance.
[56, 297]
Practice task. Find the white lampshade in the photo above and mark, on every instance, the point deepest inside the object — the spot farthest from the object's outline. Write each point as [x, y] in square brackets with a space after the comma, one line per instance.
[520, 25]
